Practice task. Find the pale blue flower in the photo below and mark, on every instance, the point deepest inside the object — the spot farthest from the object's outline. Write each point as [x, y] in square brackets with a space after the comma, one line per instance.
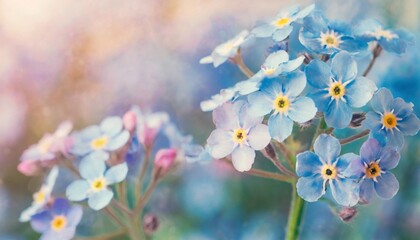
[279, 28]
[326, 167]
[337, 88]
[95, 182]
[280, 97]
[238, 133]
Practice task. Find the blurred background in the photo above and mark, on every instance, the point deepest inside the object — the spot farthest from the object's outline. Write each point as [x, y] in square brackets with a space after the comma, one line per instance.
[84, 60]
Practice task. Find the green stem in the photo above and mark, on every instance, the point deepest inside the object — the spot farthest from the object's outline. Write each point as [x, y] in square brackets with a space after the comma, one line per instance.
[295, 215]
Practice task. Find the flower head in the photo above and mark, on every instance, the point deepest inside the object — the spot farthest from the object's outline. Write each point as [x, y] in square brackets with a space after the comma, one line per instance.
[373, 168]
[279, 28]
[337, 89]
[282, 100]
[58, 222]
[321, 36]
[42, 197]
[238, 133]
[44, 153]
[227, 49]
[164, 159]
[391, 119]
[95, 182]
[149, 125]
[392, 40]
[326, 167]
[99, 141]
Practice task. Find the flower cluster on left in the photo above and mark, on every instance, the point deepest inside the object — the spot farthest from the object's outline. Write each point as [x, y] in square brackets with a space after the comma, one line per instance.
[107, 163]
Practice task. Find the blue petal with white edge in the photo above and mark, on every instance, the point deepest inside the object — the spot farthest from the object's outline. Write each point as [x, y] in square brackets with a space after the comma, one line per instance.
[242, 158]
[343, 67]
[338, 114]
[409, 125]
[382, 101]
[302, 110]
[220, 143]
[99, 200]
[280, 127]
[111, 126]
[359, 92]
[318, 74]
[259, 137]
[310, 188]
[294, 84]
[345, 191]
[327, 148]
[283, 33]
[307, 164]
[260, 103]
[116, 173]
[387, 186]
[118, 141]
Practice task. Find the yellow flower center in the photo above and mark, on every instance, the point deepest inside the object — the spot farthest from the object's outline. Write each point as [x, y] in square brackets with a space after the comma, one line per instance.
[98, 184]
[389, 120]
[281, 22]
[39, 197]
[328, 172]
[268, 71]
[281, 104]
[330, 39]
[337, 90]
[239, 136]
[99, 143]
[58, 223]
[372, 170]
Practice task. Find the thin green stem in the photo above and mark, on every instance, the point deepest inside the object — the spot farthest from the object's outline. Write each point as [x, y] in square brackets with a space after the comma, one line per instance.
[286, 153]
[113, 216]
[143, 170]
[295, 215]
[354, 137]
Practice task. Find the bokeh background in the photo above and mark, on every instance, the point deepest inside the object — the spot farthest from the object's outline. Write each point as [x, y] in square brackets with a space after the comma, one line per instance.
[84, 60]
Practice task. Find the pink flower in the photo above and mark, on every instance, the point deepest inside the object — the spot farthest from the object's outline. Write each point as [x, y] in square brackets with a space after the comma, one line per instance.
[164, 159]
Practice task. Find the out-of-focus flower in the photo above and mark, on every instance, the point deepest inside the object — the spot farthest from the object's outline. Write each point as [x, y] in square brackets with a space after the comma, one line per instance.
[58, 222]
[391, 119]
[337, 88]
[217, 100]
[44, 153]
[149, 125]
[95, 184]
[227, 49]
[164, 159]
[238, 133]
[40, 198]
[277, 63]
[395, 41]
[281, 98]
[373, 167]
[325, 166]
[99, 141]
[130, 121]
[279, 28]
[321, 36]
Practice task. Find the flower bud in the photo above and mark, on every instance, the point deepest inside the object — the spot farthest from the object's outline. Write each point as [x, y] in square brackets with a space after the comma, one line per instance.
[130, 121]
[347, 214]
[164, 159]
[150, 223]
[357, 119]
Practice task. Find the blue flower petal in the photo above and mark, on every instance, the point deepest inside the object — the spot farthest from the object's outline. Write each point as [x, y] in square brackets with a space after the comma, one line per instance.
[321, 98]
[225, 117]
[242, 158]
[366, 190]
[318, 74]
[315, 23]
[366, 27]
[74, 215]
[382, 101]
[327, 148]
[294, 84]
[271, 87]
[355, 169]
[410, 125]
[401, 108]
[99, 200]
[398, 45]
[343, 67]
[307, 164]
[302, 110]
[118, 141]
[260, 103]
[60, 206]
[305, 12]
[390, 158]
[282, 33]
[290, 66]
[372, 121]
[395, 138]
[352, 45]
[310, 188]
[29, 212]
[370, 150]
[344, 161]
[91, 169]
[276, 58]
[97, 155]
[63, 234]
[41, 222]
[359, 92]
[116, 173]
[338, 114]
[264, 30]
[312, 43]
[111, 126]
[221, 143]
[90, 133]
[259, 137]
[247, 120]
[77, 190]
[280, 127]
[345, 191]
[387, 186]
